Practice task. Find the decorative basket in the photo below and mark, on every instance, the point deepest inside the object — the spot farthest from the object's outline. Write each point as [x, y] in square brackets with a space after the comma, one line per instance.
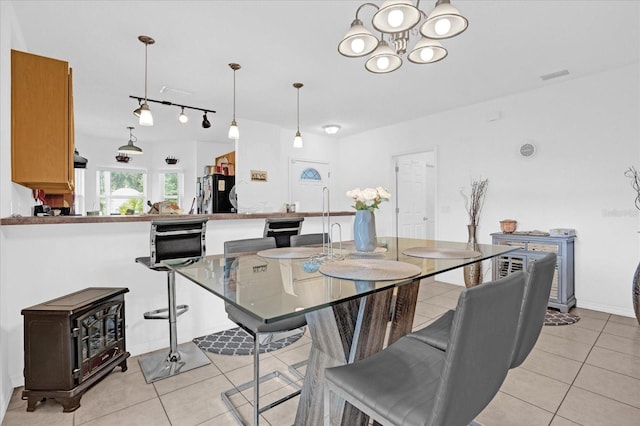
[171, 160]
[122, 158]
[508, 226]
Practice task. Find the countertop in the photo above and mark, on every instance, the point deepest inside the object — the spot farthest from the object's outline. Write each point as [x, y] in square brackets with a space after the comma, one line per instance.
[49, 220]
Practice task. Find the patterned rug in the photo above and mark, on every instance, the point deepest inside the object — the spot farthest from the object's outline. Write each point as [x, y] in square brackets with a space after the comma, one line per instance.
[554, 317]
[238, 342]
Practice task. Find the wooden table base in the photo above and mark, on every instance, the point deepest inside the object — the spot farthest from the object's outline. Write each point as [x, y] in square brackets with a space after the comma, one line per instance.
[345, 333]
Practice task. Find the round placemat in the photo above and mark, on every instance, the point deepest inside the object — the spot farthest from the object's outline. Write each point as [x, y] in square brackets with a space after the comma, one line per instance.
[290, 252]
[351, 248]
[370, 270]
[440, 253]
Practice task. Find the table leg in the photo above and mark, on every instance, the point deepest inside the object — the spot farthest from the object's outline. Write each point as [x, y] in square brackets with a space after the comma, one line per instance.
[402, 321]
[341, 334]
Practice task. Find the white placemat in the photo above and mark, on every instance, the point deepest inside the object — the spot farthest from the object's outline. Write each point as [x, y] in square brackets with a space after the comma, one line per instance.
[290, 252]
[440, 253]
[350, 247]
[370, 270]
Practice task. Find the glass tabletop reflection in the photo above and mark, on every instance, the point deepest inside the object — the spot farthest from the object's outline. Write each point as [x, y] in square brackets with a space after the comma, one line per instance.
[274, 288]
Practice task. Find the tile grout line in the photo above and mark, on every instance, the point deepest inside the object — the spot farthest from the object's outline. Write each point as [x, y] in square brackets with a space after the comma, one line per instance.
[577, 374]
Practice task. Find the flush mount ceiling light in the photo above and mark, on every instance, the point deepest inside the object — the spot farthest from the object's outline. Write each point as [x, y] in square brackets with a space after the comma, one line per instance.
[234, 133]
[397, 21]
[331, 129]
[297, 141]
[143, 112]
[130, 148]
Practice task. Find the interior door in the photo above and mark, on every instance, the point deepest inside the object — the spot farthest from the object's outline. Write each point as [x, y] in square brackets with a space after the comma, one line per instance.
[415, 195]
[306, 181]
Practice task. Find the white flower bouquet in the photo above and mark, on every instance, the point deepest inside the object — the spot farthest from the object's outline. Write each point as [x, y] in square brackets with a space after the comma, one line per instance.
[368, 198]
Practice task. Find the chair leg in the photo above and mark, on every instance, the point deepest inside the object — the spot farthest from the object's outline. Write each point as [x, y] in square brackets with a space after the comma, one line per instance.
[255, 384]
[256, 379]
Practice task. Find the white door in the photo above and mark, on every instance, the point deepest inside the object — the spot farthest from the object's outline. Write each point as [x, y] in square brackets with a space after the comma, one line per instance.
[306, 182]
[415, 195]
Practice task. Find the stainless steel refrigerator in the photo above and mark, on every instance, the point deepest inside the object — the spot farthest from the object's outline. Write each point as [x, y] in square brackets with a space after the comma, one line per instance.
[213, 194]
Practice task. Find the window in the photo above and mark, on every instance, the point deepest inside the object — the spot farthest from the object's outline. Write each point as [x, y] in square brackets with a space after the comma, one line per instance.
[78, 206]
[310, 174]
[121, 192]
[171, 185]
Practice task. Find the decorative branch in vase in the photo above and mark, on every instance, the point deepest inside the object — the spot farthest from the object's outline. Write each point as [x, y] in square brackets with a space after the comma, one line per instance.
[632, 174]
[364, 225]
[473, 204]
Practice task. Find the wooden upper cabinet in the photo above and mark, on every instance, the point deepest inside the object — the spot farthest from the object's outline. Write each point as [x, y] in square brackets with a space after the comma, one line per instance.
[42, 133]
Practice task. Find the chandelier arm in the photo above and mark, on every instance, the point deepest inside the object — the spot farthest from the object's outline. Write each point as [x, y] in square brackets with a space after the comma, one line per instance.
[366, 4]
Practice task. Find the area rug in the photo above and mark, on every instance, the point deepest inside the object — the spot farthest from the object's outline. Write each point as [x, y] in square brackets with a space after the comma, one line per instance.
[553, 317]
[238, 342]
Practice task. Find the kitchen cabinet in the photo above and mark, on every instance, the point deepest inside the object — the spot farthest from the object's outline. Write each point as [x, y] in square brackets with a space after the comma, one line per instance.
[532, 248]
[42, 128]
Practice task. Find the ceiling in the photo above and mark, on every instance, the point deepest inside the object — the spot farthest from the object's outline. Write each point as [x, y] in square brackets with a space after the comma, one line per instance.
[505, 50]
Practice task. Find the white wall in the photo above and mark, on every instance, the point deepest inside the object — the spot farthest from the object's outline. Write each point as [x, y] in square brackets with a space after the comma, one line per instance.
[587, 133]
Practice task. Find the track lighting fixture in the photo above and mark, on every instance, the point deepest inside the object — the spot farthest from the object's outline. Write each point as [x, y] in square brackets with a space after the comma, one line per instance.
[143, 112]
[234, 133]
[205, 122]
[130, 148]
[182, 117]
[297, 141]
[397, 21]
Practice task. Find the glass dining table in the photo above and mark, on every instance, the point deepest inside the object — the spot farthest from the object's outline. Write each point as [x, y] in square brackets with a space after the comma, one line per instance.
[348, 297]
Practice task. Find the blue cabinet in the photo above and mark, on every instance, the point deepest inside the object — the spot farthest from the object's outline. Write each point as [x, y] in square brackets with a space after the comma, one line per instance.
[532, 248]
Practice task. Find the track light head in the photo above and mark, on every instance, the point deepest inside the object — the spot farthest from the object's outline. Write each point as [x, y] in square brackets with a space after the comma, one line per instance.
[183, 118]
[205, 122]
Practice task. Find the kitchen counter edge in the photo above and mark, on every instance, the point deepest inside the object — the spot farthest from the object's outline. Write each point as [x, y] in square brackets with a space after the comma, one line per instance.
[49, 220]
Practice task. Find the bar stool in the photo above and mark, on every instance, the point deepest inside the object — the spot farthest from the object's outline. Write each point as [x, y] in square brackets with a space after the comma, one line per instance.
[173, 239]
[282, 228]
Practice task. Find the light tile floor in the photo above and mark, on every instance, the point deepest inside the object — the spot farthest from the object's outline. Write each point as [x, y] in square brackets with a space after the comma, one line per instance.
[582, 374]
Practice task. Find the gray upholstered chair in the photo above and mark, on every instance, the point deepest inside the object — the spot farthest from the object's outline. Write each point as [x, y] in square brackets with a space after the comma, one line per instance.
[309, 239]
[532, 311]
[282, 228]
[257, 329]
[412, 383]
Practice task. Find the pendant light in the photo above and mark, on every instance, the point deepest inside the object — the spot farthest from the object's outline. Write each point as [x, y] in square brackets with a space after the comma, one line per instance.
[234, 133]
[130, 148]
[143, 112]
[297, 141]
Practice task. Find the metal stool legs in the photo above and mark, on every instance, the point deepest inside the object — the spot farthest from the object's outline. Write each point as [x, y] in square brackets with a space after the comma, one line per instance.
[187, 356]
[255, 383]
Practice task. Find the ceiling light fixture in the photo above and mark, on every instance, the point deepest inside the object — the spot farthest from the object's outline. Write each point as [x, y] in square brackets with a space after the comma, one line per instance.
[130, 148]
[297, 141]
[234, 133]
[183, 118]
[205, 122]
[331, 129]
[143, 112]
[397, 20]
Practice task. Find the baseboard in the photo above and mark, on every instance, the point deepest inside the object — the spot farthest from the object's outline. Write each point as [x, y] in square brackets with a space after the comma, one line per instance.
[616, 310]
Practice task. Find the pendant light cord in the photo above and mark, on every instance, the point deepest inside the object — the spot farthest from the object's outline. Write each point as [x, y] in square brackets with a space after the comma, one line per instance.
[234, 95]
[298, 110]
[146, 47]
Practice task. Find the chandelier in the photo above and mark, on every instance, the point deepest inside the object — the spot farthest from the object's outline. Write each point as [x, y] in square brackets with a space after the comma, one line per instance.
[398, 20]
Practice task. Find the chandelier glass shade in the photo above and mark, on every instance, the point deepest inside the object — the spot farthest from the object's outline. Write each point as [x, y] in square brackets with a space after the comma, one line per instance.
[398, 21]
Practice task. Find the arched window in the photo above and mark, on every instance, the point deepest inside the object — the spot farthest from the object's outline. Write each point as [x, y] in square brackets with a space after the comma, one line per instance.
[310, 174]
